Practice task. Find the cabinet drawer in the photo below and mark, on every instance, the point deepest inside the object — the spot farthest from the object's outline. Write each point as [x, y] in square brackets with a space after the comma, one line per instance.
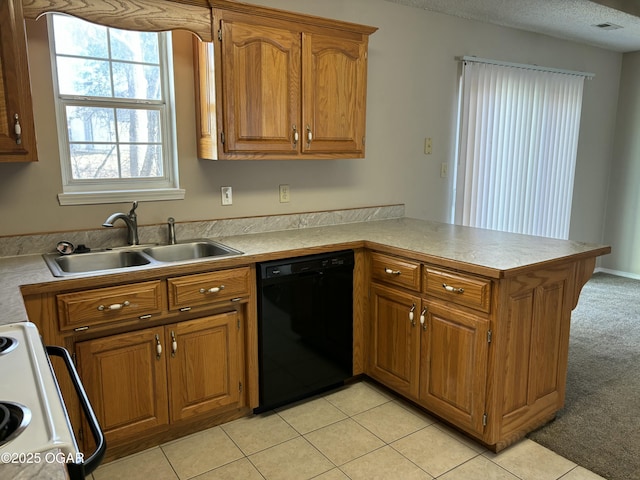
[459, 288]
[112, 304]
[207, 288]
[395, 271]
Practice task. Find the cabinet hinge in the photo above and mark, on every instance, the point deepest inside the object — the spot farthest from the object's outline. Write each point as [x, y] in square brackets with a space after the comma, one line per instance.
[489, 336]
[238, 324]
[363, 140]
[74, 359]
[484, 420]
[81, 434]
[240, 387]
[222, 137]
[220, 34]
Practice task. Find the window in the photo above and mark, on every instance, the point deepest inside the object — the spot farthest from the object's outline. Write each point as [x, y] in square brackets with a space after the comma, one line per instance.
[115, 115]
[517, 149]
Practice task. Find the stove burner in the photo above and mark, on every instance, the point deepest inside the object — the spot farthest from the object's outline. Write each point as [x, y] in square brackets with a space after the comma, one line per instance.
[14, 418]
[7, 344]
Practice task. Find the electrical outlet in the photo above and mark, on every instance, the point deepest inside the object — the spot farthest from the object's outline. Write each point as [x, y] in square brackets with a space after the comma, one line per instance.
[227, 195]
[284, 194]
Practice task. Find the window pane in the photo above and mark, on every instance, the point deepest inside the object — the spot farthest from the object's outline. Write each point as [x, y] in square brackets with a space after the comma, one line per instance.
[77, 76]
[137, 81]
[90, 161]
[77, 37]
[138, 126]
[139, 161]
[139, 47]
[91, 124]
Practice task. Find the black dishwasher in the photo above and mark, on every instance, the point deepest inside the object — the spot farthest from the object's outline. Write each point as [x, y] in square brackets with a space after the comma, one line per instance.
[305, 326]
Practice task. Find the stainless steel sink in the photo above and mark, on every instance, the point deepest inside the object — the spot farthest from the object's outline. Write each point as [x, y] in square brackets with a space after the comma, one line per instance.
[95, 261]
[191, 250]
[136, 256]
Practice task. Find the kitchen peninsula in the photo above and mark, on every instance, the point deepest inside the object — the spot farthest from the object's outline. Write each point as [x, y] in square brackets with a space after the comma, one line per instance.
[472, 325]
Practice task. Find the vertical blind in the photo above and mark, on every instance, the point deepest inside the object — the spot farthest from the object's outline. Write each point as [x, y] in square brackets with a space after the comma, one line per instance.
[517, 148]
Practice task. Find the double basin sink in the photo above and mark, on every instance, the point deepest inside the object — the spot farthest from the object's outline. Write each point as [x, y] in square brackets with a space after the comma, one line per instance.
[109, 260]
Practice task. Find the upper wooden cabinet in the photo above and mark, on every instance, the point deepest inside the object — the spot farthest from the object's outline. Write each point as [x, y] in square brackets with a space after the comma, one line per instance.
[17, 131]
[288, 86]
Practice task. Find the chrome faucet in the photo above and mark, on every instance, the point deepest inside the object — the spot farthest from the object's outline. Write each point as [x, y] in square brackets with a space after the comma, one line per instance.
[132, 223]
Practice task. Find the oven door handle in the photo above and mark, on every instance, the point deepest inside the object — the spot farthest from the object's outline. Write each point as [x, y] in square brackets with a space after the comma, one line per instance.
[80, 470]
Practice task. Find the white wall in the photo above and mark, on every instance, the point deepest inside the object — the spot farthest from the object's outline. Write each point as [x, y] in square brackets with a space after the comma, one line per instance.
[622, 228]
[412, 94]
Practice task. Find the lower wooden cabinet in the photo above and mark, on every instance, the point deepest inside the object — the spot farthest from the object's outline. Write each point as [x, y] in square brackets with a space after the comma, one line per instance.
[394, 353]
[204, 365]
[144, 379]
[454, 349]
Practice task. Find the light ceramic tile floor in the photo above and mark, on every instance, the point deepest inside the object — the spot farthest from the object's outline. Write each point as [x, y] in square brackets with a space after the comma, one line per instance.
[356, 432]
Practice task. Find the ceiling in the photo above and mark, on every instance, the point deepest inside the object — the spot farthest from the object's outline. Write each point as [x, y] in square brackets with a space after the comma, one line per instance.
[567, 19]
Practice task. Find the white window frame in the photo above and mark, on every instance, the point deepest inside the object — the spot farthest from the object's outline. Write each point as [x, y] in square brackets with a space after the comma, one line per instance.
[95, 191]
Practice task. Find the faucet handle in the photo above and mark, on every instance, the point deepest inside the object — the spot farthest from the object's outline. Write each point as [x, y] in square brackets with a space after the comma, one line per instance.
[132, 212]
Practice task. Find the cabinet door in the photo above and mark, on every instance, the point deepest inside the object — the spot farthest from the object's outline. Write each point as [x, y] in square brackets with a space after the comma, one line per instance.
[204, 364]
[125, 379]
[394, 352]
[15, 90]
[260, 88]
[334, 94]
[453, 365]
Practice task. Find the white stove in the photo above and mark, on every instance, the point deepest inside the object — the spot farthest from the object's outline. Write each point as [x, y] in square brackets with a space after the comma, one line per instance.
[37, 420]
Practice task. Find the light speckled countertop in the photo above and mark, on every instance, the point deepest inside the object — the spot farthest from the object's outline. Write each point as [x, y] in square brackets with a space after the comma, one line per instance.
[484, 252]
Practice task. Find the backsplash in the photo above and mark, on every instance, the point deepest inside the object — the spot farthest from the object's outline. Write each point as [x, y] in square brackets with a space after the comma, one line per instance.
[114, 237]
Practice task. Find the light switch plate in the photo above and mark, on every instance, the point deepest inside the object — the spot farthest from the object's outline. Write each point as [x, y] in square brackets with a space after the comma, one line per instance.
[227, 195]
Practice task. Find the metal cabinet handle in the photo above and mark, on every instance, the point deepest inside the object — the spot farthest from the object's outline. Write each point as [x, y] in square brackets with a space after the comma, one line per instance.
[309, 136]
[17, 129]
[411, 315]
[115, 306]
[211, 290]
[449, 288]
[296, 136]
[423, 318]
[388, 271]
[174, 344]
[158, 347]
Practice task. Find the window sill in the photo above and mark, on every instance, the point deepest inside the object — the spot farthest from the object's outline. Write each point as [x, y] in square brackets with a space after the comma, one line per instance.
[90, 198]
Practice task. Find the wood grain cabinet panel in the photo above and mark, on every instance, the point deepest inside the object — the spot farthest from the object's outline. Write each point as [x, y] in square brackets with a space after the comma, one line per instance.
[462, 289]
[208, 288]
[395, 271]
[334, 86]
[260, 81]
[15, 89]
[126, 381]
[453, 366]
[394, 349]
[89, 308]
[204, 364]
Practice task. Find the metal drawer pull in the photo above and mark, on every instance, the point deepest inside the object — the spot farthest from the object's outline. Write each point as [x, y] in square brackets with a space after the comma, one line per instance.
[296, 136]
[158, 347]
[115, 306]
[449, 288]
[423, 318]
[174, 344]
[387, 270]
[212, 289]
[411, 315]
[17, 129]
[309, 136]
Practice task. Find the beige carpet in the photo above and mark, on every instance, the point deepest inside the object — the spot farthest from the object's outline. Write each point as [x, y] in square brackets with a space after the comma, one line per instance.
[599, 428]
